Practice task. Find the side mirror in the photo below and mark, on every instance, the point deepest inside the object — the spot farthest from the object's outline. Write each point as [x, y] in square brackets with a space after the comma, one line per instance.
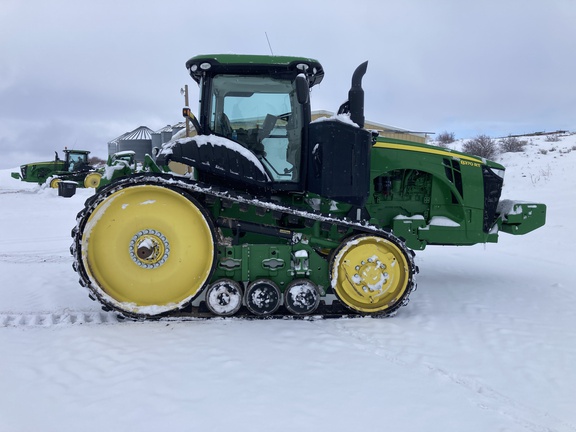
[302, 89]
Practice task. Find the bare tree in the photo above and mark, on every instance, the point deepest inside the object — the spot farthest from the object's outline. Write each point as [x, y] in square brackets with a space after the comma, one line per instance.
[512, 144]
[96, 161]
[482, 146]
[445, 138]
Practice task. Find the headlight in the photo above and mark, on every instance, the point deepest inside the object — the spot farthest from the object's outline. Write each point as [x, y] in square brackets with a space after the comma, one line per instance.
[499, 172]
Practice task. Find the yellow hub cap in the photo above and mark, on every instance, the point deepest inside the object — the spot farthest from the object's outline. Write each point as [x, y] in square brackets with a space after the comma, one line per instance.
[370, 274]
[54, 183]
[92, 180]
[147, 249]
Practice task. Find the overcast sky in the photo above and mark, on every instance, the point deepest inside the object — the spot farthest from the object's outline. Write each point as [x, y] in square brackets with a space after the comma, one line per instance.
[80, 73]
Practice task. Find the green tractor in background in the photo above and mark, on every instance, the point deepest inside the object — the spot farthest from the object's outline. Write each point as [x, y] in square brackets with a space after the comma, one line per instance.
[124, 163]
[75, 167]
[279, 215]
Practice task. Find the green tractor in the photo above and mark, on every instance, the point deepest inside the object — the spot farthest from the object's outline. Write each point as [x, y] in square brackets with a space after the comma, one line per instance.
[124, 163]
[118, 165]
[279, 215]
[74, 167]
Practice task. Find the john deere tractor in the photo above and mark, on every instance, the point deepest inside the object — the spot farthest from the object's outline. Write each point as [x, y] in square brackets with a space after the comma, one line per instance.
[280, 215]
[74, 167]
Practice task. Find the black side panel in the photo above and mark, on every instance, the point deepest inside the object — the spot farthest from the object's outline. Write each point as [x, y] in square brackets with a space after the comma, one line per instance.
[339, 161]
[492, 190]
[227, 162]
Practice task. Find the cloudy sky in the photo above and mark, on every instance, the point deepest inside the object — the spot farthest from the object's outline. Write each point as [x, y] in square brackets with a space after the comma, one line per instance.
[80, 73]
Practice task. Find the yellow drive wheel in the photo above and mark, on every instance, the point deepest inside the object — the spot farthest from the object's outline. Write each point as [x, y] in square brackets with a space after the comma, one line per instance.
[92, 180]
[371, 274]
[148, 249]
[54, 183]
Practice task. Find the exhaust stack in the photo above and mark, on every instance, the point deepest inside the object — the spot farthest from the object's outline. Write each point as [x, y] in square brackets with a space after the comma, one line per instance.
[356, 95]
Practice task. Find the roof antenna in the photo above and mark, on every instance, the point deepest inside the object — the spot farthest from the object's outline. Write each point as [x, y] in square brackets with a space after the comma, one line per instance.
[269, 46]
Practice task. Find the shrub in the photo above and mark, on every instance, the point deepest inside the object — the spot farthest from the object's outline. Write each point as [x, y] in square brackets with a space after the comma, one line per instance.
[552, 138]
[482, 146]
[96, 161]
[512, 144]
[446, 138]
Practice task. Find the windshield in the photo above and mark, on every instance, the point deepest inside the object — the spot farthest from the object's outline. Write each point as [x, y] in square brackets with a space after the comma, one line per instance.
[76, 161]
[263, 115]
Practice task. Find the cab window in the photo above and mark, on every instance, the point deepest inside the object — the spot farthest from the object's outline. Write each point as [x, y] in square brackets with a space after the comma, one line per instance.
[263, 115]
[76, 161]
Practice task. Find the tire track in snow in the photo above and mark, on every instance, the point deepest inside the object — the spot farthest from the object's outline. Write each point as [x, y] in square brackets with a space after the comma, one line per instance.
[27, 258]
[485, 397]
[49, 319]
[17, 191]
[19, 240]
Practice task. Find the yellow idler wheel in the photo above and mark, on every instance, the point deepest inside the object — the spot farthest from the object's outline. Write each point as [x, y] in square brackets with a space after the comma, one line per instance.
[148, 249]
[92, 180]
[54, 182]
[371, 274]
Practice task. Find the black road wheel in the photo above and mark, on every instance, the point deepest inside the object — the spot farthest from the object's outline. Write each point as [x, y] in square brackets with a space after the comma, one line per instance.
[301, 297]
[224, 297]
[263, 297]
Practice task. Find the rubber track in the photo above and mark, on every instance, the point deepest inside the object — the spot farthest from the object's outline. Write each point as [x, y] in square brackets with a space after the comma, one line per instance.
[77, 318]
[201, 192]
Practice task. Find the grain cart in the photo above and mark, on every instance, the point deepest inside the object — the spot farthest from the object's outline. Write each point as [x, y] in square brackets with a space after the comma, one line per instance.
[281, 215]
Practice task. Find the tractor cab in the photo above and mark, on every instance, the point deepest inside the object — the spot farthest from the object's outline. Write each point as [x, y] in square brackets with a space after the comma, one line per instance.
[76, 160]
[262, 104]
[255, 130]
[263, 115]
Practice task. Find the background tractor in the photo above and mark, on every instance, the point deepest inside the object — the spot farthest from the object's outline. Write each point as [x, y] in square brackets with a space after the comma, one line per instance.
[74, 167]
[281, 215]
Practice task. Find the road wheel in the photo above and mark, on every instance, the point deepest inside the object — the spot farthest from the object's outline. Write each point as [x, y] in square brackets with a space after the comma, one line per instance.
[372, 274]
[301, 297]
[224, 297]
[147, 249]
[263, 297]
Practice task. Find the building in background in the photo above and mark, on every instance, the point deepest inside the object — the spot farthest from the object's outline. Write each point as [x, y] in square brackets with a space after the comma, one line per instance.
[383, 130]
[143, 139]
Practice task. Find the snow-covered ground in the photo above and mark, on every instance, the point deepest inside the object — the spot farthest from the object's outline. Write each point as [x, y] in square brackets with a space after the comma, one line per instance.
[488, 342]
